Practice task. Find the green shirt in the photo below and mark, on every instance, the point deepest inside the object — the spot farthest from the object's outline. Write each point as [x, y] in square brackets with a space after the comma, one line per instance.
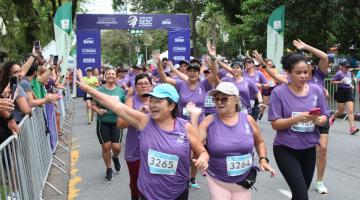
[38, 88]
[116, 93]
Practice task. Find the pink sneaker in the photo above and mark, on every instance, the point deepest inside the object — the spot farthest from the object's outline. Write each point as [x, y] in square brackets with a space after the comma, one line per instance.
[331, 120]
[353, 130]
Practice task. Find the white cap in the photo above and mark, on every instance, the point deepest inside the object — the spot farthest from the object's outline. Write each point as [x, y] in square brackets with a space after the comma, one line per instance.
[176, 66]
[226, 88]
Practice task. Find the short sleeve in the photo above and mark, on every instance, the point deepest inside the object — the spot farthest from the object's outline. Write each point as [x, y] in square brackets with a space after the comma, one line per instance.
[21, 92]
[275, 107]
[206, 85]
[262, 78]
[336, 77]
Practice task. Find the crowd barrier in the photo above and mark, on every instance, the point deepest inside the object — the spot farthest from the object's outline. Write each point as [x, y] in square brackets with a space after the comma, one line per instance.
[26, 158]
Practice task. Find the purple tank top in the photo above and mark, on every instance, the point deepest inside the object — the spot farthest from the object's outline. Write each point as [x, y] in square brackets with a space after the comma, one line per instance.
[165, 161]
[132, 144]
[230, 149]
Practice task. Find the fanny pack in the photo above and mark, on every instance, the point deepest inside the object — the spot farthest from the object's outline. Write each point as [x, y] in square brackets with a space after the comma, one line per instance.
[250, 180]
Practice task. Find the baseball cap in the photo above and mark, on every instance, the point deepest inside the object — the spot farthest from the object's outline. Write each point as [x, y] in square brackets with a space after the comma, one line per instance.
[176, 66]
[345, 63]
[163, 91]
[195, 61]
[237, 64]
[226, 88]
[193, 66]
[89, 69]
[183, 61]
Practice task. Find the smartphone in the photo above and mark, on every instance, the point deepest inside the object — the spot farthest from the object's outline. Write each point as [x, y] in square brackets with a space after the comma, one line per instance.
[314, 111]
[51, 57]
[37, 45]
[13, 86]
[56, 59]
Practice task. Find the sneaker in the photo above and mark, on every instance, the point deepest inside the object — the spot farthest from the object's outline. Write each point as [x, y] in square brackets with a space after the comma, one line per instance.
[320, 187]
[117, 164]
[194, 185]
[353, 130]
[331, 120]
[109, 174]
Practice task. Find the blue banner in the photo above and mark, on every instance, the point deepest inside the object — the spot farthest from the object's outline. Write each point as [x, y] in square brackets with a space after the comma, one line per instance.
[179, 45]
[142, 21]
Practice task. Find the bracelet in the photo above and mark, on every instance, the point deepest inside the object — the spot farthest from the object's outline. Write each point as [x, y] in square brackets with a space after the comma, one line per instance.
[11, 117]
[263, 157]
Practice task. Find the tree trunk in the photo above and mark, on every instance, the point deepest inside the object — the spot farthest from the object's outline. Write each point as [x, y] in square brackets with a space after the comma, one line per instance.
[53, 5]
[193, 28]
[74, 7]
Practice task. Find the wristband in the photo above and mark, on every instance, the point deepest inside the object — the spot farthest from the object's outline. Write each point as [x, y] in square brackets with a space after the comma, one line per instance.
[263, 157]
[10, 117]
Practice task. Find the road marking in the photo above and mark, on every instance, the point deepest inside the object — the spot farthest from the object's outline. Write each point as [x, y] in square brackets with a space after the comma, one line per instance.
[286, 193]
[74, 179]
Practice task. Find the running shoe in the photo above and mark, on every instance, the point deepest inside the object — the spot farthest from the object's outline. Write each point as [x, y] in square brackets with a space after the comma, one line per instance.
[194, 185]
[331, 120]
[89, 122]
[353, 130]
[117, 164]
[109, 174]
[320, 187]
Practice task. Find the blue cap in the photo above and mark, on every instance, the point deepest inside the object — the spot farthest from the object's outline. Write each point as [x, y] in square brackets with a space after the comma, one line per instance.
[164, 90]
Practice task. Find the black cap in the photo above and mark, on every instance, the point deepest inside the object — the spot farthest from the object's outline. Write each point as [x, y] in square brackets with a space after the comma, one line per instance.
[193, 66]
[237, 64]
[183, 61]
[88, 69]
[196, 61]
[345, 63]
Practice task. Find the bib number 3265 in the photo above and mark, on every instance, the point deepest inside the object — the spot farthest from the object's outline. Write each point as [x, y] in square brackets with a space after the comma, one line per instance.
[238, 165]
[162, 163]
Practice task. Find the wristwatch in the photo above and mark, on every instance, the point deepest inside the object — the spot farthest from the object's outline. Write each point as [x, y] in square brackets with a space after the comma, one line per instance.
[213, 58]
[10, 117]
[267, 160]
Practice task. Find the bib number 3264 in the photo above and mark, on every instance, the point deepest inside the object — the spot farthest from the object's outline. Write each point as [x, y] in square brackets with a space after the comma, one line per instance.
[162, 163]
[238, 165]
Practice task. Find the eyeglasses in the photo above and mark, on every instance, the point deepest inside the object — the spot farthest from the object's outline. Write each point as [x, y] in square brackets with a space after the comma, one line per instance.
[222, 100]
[143, 84]
[248, 62]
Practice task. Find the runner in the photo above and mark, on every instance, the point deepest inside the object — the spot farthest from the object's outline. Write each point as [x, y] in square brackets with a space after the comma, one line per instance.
[316, 76]
[165, 143]
[344, 95]
[108, 133]
[92, 81]
[259, 79]
[297, 124]
[143, 85]
[266, 92]
[193, 90]
[231, 136]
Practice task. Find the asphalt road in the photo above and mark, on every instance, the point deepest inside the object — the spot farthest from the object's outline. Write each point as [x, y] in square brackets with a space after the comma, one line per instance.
[342, 176]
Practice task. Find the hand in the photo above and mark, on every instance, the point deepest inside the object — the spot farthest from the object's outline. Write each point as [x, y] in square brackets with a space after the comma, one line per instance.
[258, 85]
[156, 57]
[170, 64]
[326, 93]
[262, 107]
[102, 111]
[34, 52]
[264, 166]
[211, 49]
[193, 110]
[6, 92]
[6, 105]
[258, 57]
[305, 117]
[202, 162]
[81, 81]
[12, 125]
[299, 44]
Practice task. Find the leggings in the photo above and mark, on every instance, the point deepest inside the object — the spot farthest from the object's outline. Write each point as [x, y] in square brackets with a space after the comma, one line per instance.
[226, 191]
[133, 168]
[297, 166]
[183, 196]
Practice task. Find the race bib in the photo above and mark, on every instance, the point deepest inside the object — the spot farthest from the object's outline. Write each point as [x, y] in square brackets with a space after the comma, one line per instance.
[302, 127]
[88, 95]
[252, 102]
[162, 163]
[238, 165]
[347, 80]
[209, 102]
[271, 83]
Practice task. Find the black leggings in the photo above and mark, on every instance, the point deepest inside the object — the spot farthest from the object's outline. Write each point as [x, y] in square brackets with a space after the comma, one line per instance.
[183, 196]
[297, 167]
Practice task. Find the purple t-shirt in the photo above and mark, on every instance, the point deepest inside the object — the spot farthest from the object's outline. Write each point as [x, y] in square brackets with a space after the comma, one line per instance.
[131, 81]
[247, 88]
[340, 75]
[197, 96]
[225, 146]
[123, 81]
[132, 144]
[318, 78]
[160, 152]
[222, 73]
[258, 77]
[285, 104]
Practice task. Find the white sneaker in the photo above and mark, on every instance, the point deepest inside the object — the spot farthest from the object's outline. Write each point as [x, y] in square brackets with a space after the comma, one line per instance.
[320, 187]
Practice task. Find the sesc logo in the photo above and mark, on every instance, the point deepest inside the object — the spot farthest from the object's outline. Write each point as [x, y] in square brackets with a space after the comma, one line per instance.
[88, 41]
[166, 22]
[179, 39]
[132, 21]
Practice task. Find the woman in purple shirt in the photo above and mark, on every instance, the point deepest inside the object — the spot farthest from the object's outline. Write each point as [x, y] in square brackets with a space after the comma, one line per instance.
[231, 136]
[165, 142]
[344, 95]
[143, 85]
[293, 115]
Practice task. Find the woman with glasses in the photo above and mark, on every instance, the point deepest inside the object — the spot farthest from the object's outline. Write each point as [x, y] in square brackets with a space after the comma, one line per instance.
[143, 85]
[108, 133]
[165, 142]
[231, 136]
[190, 90]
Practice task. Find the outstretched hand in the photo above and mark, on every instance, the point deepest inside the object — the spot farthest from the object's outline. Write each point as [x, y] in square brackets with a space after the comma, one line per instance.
[202, 162]
[211, 49]
[299, 44]
[258, 57]
[156, 57]
[267, 167]
[80, 80]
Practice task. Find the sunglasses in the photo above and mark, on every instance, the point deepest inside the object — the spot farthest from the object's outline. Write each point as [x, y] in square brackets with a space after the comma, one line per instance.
[248, 62]
[222, 100]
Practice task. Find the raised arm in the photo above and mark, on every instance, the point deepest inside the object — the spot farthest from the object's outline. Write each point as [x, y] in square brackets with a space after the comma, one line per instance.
[163, 77]
[121, 123]
[213, 78]
[324, 60]
[178, 73]
[135, 118]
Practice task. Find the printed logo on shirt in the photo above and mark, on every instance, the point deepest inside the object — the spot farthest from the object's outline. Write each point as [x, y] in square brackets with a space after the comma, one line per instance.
[247, 129]
[302, 127]
[314, 100]
[180, 139]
